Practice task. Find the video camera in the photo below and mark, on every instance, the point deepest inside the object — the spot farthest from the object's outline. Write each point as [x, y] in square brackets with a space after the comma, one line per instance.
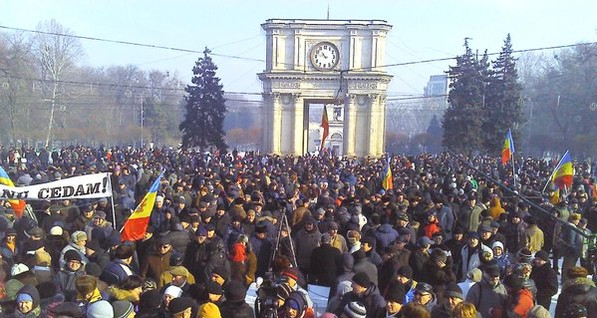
[266, 304]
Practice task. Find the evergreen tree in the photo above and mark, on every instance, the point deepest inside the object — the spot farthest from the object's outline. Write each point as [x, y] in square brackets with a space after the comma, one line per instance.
[203, 124]
[434, 128]
[463, 120]
[502, 101]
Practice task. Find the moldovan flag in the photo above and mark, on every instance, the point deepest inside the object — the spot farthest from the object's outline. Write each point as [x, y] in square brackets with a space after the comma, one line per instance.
[135, 227]
[387, 183]
[325, 123]
[563, 173]
[18, 206]
[508, 148]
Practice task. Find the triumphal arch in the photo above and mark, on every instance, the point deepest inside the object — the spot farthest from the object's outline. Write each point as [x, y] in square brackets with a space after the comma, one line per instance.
[338, 62]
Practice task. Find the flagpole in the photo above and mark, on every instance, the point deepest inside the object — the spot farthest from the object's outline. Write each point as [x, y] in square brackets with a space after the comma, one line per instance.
[513, 173]
[112, 203]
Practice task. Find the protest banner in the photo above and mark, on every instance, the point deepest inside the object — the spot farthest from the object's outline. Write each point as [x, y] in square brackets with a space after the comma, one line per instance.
[81, 187]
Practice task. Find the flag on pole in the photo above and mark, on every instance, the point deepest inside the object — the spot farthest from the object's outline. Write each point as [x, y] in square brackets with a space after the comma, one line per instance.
[325, 124]
[508, 148]
[563, 173]
[387, 183]
[136, 226]
[18, 206]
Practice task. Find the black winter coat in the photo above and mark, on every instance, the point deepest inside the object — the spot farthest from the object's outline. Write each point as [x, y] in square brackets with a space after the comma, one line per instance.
[578, 291]
[241, 309]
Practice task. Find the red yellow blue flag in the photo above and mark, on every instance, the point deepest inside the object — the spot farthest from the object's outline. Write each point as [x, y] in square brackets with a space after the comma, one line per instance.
[387, 183]
[564, 172]
[18, 206]
[135, 227]
[508, 148]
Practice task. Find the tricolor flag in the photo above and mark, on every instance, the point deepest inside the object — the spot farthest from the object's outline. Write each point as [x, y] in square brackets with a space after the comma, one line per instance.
[508, 148]
[387, 183]
[18, 206]
[134, 228]
[325, 124]
[563, 173]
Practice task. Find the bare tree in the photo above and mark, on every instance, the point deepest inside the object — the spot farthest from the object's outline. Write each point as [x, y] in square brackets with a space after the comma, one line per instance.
[56, 52]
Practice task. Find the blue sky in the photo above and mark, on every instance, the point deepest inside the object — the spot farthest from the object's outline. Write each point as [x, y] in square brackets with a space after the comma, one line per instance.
[421, 30]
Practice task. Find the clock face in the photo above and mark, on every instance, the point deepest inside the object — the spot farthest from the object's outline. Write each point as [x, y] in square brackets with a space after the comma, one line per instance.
[324, 56]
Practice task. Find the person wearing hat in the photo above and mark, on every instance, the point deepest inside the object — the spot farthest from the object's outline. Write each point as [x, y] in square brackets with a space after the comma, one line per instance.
[425, 296]
[84, 219]
[578, 289]
[455, 245]
[420, 256]
[181, 307]
[235, 306]
[27, 302]
[120, 268]
[472, 277]
[305, 241]
[196, 256]
[364, 291]
[67, 276]
[362, 264]
[534, 234]
[394, 301]
[209, 310]
[437, 272]
[179, 277]
[354, 309]
[500, 255]
[262, 247]
[489, 293]
[570, 244]
[545, 278]
[452, 297]
[292, 276]
[215, 293]
[158, 260]
[519, 301]
[385, 234]
[469, 255]
[99, 223]
[431, 224]
[325, 256]
[78, 242]
[100, 309]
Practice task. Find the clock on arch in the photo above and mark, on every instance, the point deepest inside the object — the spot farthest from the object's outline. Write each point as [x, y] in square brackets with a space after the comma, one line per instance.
[325, 56]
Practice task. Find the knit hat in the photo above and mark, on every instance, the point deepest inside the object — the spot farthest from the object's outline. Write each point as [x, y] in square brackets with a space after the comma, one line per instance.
[538, 311]
[395, 295]
[291, 272]
[355, 309]
[78, 236]
[235, 291]
[150, 300]
[493, 271]
[475, 275]
[122, 308]
[405, 271]
[213, 288]
[473, 234]
[453, 290]
[543, 255]
[72, 255]
[180, 304]
[12, 287]
[362, 279]
[100, 309]
[513, 281]
[209, 310]
[173, 291]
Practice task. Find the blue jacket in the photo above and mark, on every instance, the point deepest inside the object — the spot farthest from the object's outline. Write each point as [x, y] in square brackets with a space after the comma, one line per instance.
[114, 272]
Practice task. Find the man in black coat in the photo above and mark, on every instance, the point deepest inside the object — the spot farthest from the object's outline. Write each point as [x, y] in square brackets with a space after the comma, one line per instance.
[326, 257]
[545, 278]
[235, 305]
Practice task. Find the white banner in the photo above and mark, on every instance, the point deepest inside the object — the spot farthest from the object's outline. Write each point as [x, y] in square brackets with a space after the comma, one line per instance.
[82, 187]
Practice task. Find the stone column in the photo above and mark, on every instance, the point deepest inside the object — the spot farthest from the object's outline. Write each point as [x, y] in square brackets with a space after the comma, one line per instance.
[350, 125]
[298, 125]
[374, 124]
[287, 126]
[276, 124]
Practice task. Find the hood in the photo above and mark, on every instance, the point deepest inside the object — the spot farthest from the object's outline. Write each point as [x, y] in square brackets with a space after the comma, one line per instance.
[385, 228]
[347, 262]
[31, 291]
[579, 285]
[495, 202]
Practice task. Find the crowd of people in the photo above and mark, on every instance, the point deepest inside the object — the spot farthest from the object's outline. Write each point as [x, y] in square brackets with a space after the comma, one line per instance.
[446, 240]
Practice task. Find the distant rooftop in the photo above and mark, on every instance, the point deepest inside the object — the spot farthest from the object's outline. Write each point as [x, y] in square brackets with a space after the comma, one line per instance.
[315, 22]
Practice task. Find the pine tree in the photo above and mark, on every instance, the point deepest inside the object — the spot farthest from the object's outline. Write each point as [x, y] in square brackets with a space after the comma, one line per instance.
[203, 124]
[463, 120]
[502, 100]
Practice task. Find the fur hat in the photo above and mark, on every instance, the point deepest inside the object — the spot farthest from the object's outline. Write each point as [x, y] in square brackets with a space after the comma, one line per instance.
[475, 275]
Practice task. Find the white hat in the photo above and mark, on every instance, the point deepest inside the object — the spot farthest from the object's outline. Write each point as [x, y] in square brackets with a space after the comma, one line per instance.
[173, 291]
[18, 269]
[159, 198]
[56, 230]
